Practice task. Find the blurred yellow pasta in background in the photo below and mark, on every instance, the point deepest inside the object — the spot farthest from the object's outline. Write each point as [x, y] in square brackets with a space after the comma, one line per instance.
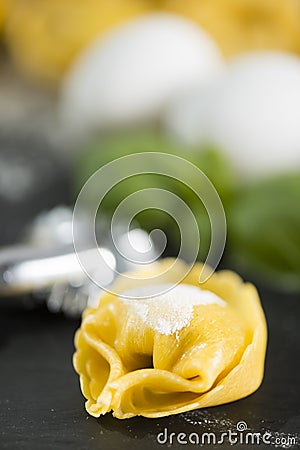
[3, 12]
[242, 25]
[45, 36]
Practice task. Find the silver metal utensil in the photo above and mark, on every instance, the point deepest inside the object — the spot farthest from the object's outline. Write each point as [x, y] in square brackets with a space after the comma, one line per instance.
[47, 266]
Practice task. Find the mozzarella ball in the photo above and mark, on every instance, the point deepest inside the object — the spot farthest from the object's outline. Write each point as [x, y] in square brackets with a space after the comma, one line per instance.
[251, 112]
[128, 77]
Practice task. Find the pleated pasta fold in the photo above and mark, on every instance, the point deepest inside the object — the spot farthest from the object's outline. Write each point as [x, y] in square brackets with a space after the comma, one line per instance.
[192, 347]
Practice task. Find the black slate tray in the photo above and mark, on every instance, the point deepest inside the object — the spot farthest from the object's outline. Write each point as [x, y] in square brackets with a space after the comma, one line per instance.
[42, 407]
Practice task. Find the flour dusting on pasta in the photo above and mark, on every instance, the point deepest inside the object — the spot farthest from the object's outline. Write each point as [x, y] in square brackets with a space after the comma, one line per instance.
[157, 350]
[171, 311]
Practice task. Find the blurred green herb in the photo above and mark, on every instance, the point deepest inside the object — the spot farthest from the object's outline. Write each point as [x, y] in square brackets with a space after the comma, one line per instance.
[210, 161]
[263, 217]
[264, 231]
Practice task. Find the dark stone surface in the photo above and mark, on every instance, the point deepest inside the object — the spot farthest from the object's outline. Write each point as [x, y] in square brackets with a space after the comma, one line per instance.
[33, 179]
[42, 407]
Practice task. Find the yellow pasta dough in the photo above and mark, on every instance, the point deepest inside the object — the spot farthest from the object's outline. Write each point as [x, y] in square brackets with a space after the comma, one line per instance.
[245, 25]
[188, 347]
[44, 37]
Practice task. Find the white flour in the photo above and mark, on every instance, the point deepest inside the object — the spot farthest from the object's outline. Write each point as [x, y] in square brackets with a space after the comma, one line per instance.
[171, 311]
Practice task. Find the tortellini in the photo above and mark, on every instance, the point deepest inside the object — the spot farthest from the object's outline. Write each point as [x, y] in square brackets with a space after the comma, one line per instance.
[187, 347]
[240, 26]
[46, 36]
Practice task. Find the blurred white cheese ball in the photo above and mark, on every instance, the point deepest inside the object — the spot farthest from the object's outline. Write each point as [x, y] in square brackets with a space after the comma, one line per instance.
[128, 76]
[252, 113]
